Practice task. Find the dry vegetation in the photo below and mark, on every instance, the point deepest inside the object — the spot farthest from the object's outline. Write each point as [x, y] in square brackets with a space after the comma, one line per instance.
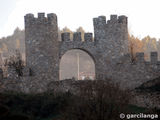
[96, 100]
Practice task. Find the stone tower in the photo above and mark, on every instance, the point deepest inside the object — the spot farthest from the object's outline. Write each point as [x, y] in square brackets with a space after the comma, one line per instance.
[42, 47]
[111, 40]
[111, 37]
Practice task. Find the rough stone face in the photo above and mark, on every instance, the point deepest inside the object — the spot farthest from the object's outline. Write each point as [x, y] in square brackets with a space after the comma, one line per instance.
[108, 49]
[42, 46]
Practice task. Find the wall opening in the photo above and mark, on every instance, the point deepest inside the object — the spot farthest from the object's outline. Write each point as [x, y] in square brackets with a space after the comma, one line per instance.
[77, 64]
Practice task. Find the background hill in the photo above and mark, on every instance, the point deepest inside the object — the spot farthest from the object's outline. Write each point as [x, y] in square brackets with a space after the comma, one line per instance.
[16, 42]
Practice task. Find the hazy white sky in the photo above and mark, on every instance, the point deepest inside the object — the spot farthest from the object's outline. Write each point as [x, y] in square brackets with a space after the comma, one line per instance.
[143, 15]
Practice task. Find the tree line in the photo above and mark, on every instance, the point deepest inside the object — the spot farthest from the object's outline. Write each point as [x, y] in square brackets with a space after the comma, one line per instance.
[10, 44]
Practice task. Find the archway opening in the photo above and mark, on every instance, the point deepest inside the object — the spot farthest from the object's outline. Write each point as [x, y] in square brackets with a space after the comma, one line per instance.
[77, 64]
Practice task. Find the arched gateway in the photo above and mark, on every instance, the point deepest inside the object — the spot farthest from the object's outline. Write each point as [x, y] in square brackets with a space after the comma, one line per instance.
[108, 48]
[78, 64]
[44, 51]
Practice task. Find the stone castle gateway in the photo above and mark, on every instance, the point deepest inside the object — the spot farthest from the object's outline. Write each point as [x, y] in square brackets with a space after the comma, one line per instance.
[44, 51]
[108, 49]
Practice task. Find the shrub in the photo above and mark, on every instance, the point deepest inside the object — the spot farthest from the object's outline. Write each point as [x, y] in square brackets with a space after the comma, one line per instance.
[36, 106]
[97, 100]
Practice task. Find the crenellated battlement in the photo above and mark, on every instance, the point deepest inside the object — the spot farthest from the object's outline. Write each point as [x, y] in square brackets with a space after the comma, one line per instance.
[113, 19]
[41, 19]
[122, 19]
[88, 37]
[77, 37]
[140, 57]
[65, 36]
[109, 51]
[101, 20]
[153, 57]
[117, 19]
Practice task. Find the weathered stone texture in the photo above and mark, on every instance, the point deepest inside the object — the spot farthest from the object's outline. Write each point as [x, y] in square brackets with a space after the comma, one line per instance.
[108, 49]
[42, 46]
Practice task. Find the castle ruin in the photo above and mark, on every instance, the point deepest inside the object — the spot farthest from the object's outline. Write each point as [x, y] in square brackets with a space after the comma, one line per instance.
[44, 51]
[108, 49]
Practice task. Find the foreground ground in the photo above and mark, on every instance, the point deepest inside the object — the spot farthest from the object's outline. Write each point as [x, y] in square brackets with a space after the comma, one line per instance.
[92, 101]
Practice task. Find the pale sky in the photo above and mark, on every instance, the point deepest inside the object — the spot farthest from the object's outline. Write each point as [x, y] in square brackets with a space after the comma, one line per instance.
[143, 15]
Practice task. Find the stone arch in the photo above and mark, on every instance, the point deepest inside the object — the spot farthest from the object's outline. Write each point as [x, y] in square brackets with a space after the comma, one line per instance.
[84, 50]
[63, 52]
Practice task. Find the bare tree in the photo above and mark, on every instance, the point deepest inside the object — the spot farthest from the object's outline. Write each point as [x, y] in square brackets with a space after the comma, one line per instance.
[97, 100]
[82, 31]
[135, 45]
[16, 63]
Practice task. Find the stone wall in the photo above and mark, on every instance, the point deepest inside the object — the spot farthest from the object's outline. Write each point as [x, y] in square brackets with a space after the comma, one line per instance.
[108, 49]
